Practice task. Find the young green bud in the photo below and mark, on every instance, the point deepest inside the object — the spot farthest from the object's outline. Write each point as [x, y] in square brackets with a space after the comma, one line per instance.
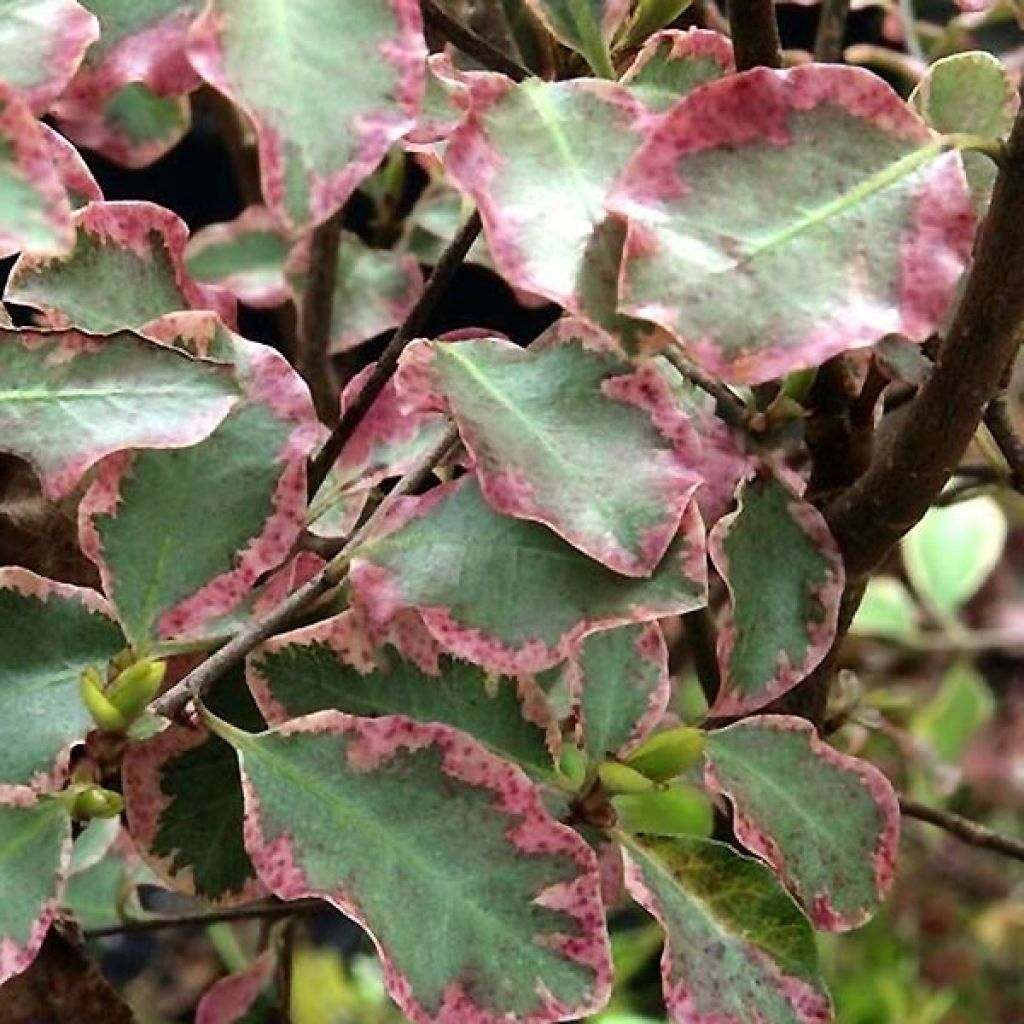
[573, 765]
[136, 686]
[668, 754]
[620, 778]
[669, 811]
[87, 801]
[107, 716]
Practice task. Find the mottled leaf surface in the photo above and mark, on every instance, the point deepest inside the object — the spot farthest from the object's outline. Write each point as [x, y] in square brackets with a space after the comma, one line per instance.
[246, 256]
[72, 171]
[334, 665]
[785, 577]
[509, 594]
[181, 537]
[126, 269]
[620, 684]
[49, 632]
[737, 948]
[68, 398]
[672, 64]
[586, 26]
[864, 232]
[544, 426]
[828, 823]
[35, 849]
[273, 59]
[327, 805]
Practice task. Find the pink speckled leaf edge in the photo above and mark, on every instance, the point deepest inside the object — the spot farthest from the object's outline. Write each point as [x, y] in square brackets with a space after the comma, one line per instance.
[231, 998]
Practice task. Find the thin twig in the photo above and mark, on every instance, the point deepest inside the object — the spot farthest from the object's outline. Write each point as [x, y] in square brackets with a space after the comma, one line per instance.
[1009, 442]
[912, 39]
[755, 34]
[828, 42]
[232, 653]
[729, 405]
[312, 355]
[256, 911]
[448, 263]
[963, 828]
[470, 43]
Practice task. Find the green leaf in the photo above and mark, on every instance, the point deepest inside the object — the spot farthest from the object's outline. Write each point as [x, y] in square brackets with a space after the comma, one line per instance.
[104, 893]
[785, 578]
[181, 537]
[183, 800]
[950, 553]
[672, 64]
[954, 716]
[586, 26]
[737, 947]
[327, 805]
[274, 59]
[245, 256]
[35, 213]
[35, 850]
[648, 17]
[335, 665]
[887, 610]
[508, 594]
[126, 269]
[827, 822]
[49, 633]
[865, 230]
[543, 425]
[619, 683]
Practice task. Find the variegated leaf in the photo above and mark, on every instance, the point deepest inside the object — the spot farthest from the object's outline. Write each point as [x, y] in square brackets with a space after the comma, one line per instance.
[543, 425]
[434, 221]
[245, 256]
[785, 577]
[508, 594]
[72, 171]
[35, 850]
[828, 823]
[327, 801]
[671, 64]
[334, 665]
[273, 59]
[865, 230]
[242, 998]
[737, 948]
[35, 213]
[67, 399]
[374, 289]
[102, 894]
[49, 633]
[127, 268]
[181, 537]
[43, 42]
[619, 683]
[183, 800]
[586, 26]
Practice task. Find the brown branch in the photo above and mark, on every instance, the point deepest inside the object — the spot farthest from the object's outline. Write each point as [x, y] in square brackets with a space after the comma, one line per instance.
[312, 345]
[729, 406]
[964, 829]
[234, 651]
[755, 34]
[1008, 441]
[828, 42]
[912, 465]
[448, 263]
[470, 43]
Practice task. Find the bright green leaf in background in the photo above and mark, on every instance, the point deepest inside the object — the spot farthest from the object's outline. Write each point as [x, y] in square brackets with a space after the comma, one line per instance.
[951, 720]
[887, 610]
[586, 26]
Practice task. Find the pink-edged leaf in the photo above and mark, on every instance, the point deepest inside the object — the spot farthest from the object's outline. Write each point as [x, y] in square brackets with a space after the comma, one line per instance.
[865, 231]
[49, 633]
[67, 399]
[183, 799]
[233, 999]
[35, 213]
[43, 42]
[586, 26]
[316, 144]
[542, 426]
[785, 577]
[35, 851]
[335, 665]
[126, 269]
[737, 949]
[506, 593]
[541, 203]
[672, 64]
[72, 171]
[444, 103]
[181, 537]
[828, 823]
[245, 256]
[133, 127]
[374, 289]
[327, 801]
[619, 683]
